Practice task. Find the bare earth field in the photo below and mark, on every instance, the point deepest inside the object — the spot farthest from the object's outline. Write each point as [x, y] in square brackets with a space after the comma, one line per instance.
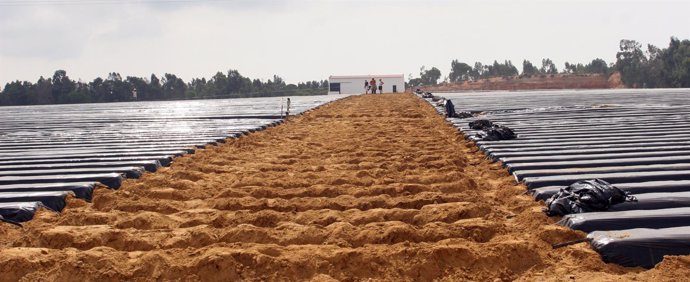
[370, 187]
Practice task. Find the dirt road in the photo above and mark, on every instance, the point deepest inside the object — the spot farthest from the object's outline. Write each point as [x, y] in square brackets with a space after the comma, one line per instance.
[375, 186]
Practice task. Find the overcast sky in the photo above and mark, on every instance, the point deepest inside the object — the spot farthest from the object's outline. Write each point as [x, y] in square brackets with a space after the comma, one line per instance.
[303, 40]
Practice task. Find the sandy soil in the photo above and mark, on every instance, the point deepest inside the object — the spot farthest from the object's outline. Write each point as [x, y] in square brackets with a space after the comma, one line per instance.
[536, 82]
[371, 187]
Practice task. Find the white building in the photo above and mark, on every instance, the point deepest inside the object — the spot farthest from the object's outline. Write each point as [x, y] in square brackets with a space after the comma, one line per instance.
[354, 84]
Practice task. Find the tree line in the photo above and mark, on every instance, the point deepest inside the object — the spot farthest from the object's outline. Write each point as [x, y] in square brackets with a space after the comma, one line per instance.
[61, 89]
[656, 67]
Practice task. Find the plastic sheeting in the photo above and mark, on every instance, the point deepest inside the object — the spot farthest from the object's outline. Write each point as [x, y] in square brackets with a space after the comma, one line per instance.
[19, 212]
[164, 160]
[621, 177]
[150, 166]
[520, 175]
[112, 180]
[129, 172]
[641, 246]
[52, 200]
[597, 163]
[68, 155]
[82, 190]
[652, 201]
[640, 144]
[620, 220]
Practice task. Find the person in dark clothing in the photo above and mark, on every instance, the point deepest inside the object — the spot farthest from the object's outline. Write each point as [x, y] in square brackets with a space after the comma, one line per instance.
[450, 108]
[366, 87]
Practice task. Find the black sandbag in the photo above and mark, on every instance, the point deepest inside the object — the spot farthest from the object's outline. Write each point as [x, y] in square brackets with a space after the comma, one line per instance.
[463, 115]
[641, 246]
[634, 188]
[496, 133]
[52, 200]
[82, 190]
[586, 196]
[19, 212]
[620, 220]
[480, 124]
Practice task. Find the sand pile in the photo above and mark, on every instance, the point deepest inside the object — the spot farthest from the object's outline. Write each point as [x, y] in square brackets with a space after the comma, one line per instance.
[375, 186]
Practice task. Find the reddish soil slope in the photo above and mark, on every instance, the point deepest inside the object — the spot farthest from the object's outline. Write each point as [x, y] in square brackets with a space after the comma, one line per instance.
[533, 83]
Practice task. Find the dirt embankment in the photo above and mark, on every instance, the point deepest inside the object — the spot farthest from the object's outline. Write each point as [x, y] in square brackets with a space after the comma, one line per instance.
[535, 82]
[371, 187]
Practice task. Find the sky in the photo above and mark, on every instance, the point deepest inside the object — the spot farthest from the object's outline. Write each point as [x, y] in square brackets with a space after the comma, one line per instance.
[303, 40]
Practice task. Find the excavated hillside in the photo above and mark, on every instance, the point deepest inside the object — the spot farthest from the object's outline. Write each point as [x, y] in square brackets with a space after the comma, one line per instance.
[536, 82]
[370, 187]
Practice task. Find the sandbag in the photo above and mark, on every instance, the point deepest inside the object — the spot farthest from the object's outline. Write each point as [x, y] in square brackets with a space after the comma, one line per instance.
[498, 132]
[491, 131]
[586, 196]
[480, 124]
[463, 115]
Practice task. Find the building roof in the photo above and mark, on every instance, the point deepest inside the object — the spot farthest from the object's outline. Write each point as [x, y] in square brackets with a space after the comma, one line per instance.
[368, 76]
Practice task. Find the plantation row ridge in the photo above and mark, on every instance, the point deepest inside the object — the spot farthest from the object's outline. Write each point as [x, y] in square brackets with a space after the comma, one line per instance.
[375, 187]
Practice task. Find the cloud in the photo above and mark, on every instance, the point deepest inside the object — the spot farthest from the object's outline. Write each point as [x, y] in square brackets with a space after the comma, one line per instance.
[307, 40]
[39, 33]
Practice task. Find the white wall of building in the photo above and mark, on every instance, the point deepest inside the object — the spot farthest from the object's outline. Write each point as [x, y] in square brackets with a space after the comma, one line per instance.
[354, 84]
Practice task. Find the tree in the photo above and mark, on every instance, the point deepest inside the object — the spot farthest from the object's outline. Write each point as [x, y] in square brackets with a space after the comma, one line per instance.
[529, 69]
[477, 71]
[140, 86]
[631, 61]
[459, 71]
[548, 67]
[16, 93]
[62, 85]
[597, 66]
[173, 87]
[430, 77]
[155, 91]
[675, 62]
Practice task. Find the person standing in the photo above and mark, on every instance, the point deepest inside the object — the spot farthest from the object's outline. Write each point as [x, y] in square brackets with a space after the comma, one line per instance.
[380, 86]
[366, 87]
[372, 84]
